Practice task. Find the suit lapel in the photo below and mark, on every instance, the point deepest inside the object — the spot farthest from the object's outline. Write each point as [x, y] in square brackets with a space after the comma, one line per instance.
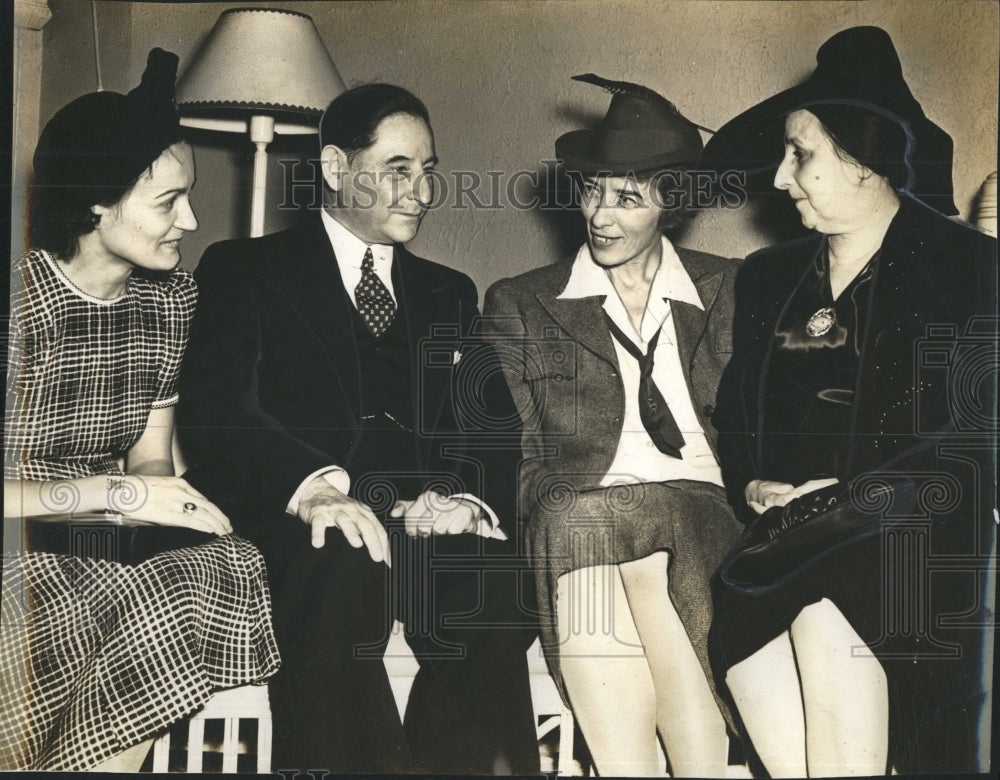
[690, 322]
[426, 309]
[583, 320]
[418, 300]
[317, 293]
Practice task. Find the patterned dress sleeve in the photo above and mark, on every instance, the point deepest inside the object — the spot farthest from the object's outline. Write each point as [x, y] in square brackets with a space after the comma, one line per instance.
[15, 368]
[179, 303]
[13, 354]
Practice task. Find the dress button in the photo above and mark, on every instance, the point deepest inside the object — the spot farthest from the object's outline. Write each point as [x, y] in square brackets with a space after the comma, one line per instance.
[708, 410]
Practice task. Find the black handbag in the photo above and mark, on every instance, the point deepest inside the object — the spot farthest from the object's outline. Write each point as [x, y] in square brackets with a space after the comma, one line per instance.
[784, 538]
[107, 536]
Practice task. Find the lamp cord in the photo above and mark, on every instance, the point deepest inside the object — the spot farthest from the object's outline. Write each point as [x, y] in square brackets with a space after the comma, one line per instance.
[97, 47]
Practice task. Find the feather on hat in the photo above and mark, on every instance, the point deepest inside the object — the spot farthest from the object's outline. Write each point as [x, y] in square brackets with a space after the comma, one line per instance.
[642, 131]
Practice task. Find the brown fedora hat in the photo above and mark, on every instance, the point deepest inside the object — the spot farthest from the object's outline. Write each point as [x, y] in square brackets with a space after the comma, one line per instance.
[642, 131]
[856, 67]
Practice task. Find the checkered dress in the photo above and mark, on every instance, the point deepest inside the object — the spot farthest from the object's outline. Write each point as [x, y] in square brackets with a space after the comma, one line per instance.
[95, 655]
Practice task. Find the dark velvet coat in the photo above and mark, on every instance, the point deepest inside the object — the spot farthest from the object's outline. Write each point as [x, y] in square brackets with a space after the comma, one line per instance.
[924, 406]
[924, 377]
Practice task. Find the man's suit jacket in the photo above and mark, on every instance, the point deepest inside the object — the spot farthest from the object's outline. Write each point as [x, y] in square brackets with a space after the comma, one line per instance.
[270, 384]
[562, 367]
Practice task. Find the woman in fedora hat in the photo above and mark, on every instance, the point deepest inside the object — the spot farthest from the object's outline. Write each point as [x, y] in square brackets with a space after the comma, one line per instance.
[861, 466]
[98, 653]
[614, 357]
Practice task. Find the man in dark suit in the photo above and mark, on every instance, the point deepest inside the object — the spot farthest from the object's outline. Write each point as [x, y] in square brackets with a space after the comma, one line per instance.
[331, 383]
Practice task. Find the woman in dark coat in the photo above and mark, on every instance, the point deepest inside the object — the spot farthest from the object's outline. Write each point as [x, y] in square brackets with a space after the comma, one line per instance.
[862, 356]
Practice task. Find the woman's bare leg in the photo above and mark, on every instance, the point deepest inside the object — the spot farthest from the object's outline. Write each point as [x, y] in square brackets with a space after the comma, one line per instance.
[606, 673]
[767, 693]
[129, 760]
[845, 695]
[690, 724]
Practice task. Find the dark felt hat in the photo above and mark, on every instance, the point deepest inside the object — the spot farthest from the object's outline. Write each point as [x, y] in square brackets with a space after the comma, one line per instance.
[857, 67]
[105, 140]
[642, 131]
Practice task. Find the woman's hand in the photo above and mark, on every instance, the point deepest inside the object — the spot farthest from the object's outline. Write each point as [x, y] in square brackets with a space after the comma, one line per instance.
[761, 494]
[164, 501]
[150, 492]
[807, 487]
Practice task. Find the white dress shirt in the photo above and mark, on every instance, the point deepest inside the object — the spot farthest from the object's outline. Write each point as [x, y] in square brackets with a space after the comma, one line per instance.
[637, 458]
[350, 252]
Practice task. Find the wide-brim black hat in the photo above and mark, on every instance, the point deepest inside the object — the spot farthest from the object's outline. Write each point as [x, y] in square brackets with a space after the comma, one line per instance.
[642, 131]
[857, 67]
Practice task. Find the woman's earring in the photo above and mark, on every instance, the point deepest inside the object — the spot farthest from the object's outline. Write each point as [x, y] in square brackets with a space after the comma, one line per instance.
[95, 219]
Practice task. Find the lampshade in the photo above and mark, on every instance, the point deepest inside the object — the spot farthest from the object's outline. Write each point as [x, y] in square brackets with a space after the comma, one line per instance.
[260, 61]
[263, 71]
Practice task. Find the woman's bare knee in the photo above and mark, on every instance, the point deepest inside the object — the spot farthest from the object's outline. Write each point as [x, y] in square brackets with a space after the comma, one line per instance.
[820, 614]
[821, 628]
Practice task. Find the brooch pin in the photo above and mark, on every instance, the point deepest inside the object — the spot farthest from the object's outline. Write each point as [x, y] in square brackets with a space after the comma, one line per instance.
[820, 323]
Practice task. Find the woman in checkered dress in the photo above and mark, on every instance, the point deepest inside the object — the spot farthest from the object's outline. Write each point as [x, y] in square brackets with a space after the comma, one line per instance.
[99, 653]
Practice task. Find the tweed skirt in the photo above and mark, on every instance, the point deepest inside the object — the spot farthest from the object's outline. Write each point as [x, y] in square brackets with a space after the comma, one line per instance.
[97, 656]
[692, 521]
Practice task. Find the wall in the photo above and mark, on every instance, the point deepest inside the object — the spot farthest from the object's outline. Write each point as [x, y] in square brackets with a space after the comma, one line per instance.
[496, 78]
[29, 18]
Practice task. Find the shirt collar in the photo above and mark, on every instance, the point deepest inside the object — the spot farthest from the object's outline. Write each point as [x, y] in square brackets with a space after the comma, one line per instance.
[671, 282]
[348, 248]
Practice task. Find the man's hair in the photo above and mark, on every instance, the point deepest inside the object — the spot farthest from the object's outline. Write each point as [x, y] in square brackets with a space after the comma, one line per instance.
[352, 119]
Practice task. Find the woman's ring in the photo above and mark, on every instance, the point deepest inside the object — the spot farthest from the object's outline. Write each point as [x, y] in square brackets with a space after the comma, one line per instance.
[189, 507]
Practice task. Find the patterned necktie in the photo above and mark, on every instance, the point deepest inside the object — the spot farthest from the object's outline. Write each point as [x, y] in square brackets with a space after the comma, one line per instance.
[374, 300]
[653, 410]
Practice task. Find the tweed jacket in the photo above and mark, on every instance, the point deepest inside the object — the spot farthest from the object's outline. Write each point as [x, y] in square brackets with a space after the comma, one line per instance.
[562, 368]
